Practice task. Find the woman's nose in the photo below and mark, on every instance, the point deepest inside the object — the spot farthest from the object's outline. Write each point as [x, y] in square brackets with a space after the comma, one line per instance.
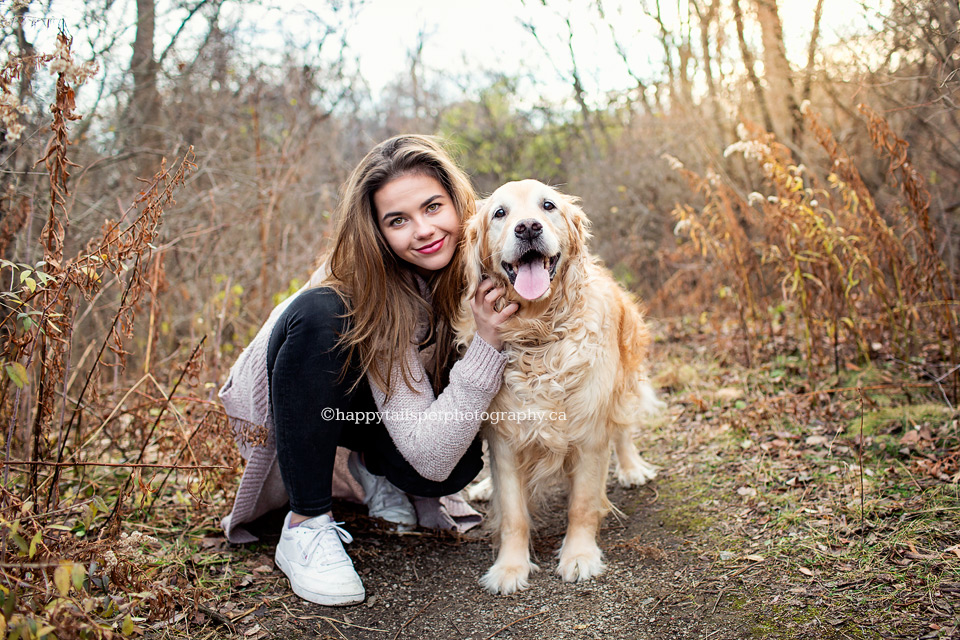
[423, 229]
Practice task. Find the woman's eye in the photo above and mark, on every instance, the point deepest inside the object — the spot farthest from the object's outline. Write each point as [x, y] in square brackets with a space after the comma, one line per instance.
[499, 213]
[548, 206]
[433, 207]
[396, 222]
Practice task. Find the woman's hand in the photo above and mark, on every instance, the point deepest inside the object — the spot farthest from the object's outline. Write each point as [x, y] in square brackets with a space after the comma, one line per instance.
[487, 318]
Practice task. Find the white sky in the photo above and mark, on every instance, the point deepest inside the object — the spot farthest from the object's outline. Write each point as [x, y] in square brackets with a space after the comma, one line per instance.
[487, 34]
[465, 36]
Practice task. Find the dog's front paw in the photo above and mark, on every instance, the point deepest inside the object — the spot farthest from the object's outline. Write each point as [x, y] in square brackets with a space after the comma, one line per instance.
[480, 491]
[582, 564]
[506, 578]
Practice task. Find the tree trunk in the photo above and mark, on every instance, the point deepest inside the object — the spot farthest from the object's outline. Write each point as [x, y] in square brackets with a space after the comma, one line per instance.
[808, 71]
[748, 61]
[781, 100]
[145, 106]
[705, 19]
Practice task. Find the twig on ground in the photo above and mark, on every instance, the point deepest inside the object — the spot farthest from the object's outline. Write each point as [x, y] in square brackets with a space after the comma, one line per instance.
[507, 626]
[216, 616]
[240, 616]
[413, 617]
[715, 604]
[355, 626]
[739, 571]
[335, 628]
[293, 615]
[916, 484]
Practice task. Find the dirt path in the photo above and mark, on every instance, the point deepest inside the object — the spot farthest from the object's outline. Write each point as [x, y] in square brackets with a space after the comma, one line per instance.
[424, 585]
[756, 528]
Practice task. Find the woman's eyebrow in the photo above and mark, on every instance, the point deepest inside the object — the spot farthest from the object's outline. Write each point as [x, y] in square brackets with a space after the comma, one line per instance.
[424, 204]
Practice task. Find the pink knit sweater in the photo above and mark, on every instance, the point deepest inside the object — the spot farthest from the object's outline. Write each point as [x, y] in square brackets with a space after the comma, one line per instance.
[432, 433]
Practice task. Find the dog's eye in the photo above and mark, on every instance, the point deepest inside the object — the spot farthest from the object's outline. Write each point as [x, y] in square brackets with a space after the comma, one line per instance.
[548, 206]
[499, 213]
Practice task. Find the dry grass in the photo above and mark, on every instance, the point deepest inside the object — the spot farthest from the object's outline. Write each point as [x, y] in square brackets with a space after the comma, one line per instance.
[816, 257]
[84, 458]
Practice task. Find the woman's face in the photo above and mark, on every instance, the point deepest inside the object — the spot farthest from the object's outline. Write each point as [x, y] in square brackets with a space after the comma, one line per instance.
[418, 220]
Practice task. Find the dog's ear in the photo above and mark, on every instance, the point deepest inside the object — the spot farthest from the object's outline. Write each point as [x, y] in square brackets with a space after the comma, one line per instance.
[470, 245]
[578, 225]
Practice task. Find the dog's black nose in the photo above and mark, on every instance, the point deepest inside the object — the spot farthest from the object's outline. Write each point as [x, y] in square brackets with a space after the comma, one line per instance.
[528, 229]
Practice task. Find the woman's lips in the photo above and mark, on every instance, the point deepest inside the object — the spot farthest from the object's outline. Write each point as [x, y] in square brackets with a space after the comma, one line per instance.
[432, 247]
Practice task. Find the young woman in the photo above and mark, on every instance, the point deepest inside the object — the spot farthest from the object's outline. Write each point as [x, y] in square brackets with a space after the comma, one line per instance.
[375, 335]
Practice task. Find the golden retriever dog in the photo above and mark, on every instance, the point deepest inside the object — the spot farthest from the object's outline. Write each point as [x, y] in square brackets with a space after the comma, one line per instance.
[574, 382]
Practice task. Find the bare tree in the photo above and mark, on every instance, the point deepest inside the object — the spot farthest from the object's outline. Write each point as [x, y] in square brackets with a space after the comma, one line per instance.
[781, 100]
[572, 76]
[621, 51]
[706, 15]
[145, 105]
[749, 63]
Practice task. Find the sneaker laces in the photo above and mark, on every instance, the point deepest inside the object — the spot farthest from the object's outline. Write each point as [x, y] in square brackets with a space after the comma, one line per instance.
[320, 540]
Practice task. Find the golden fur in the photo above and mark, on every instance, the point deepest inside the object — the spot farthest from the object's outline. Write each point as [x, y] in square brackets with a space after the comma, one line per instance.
[577, 351]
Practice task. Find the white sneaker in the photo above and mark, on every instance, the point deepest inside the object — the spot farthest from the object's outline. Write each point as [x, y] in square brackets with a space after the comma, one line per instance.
[312, 556]
[383, 500]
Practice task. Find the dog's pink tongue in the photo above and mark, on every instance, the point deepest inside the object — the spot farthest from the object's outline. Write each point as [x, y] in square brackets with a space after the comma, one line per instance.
[532, 280]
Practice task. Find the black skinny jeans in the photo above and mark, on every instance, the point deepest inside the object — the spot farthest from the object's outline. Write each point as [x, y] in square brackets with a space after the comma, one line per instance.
[304, 366]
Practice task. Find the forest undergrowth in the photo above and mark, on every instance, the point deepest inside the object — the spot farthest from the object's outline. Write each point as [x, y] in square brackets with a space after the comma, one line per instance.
[822, 448]
[838, 506]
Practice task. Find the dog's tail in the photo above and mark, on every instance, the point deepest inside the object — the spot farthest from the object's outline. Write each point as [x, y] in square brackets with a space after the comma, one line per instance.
[650, 405]
[636, 398]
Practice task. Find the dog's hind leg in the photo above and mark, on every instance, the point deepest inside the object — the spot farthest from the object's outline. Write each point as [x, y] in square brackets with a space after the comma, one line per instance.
[580, 557]
[512, 521]
[632, 470]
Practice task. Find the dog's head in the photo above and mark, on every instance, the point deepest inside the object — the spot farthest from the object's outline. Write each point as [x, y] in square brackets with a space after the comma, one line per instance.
[525, 236]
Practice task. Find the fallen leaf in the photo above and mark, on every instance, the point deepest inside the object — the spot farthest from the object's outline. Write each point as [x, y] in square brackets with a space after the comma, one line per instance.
[264, 568]
[61, 578]
[806, 571]
[755, 558]
[815, 440]
[212, 542]
[910, 438]
[255, 629]
[747, 491]
[729, 393]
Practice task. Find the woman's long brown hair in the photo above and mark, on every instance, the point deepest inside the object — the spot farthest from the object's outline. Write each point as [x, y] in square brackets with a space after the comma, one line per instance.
[382, 300]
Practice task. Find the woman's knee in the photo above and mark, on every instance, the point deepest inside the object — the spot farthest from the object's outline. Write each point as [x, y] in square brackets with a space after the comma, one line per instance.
[309, 327]
[317, 309]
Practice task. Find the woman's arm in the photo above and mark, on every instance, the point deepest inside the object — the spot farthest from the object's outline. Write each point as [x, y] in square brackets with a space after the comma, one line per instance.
[433, 433]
